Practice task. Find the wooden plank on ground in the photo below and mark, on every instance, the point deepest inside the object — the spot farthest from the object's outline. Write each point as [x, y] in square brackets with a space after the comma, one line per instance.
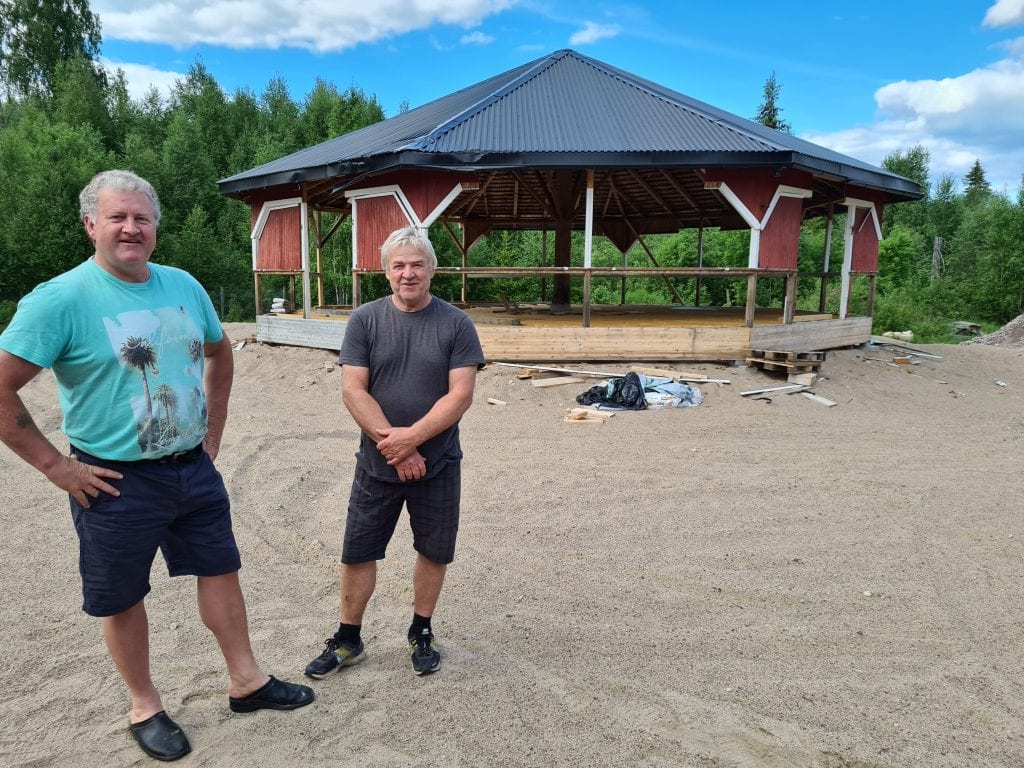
[555, 381]
[818, 398]
[589, 415]
[784, 389]
[647, 370]
[534, 369]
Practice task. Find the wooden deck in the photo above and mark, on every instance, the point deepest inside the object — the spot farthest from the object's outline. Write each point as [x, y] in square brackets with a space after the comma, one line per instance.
[533, 334]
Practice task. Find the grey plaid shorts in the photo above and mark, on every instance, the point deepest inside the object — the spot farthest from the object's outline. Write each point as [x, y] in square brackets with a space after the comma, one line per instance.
[374, 507]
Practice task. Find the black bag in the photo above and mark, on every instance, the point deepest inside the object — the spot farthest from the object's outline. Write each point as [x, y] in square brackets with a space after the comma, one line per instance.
[624, 392]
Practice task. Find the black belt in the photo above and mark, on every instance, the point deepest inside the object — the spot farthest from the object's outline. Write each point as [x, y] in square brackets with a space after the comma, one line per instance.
[181, 457]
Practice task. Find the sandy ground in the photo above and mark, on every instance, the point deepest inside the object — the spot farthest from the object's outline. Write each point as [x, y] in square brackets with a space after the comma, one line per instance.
[745, 583]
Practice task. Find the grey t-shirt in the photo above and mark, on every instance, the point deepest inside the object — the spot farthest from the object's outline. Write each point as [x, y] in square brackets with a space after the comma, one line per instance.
[409, 355]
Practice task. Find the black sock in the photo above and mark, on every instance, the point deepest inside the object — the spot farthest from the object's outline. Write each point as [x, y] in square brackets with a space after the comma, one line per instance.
[419, 623]
[348, 633]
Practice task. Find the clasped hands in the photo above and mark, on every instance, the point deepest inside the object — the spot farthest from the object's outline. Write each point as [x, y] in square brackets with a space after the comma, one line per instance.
[398, 445]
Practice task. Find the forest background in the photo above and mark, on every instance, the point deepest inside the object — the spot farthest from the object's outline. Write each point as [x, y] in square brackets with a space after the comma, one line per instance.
[955, 255]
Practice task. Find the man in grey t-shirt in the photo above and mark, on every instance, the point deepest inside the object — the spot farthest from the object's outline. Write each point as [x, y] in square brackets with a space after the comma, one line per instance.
[409, 365]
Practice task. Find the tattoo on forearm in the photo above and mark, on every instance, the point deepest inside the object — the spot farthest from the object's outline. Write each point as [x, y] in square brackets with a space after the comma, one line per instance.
[23, 420]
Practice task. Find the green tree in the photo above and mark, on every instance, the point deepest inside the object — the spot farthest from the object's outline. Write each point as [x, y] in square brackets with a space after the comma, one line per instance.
[328, 113]
[199, 101]
[282, 116]
[80, 96]
[770, 113]
[36, 36]
[911, 164]
[43, 166]
[976, 187]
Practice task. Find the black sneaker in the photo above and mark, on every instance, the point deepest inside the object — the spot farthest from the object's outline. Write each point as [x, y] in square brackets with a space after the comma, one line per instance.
[425, 658]
[337, 654]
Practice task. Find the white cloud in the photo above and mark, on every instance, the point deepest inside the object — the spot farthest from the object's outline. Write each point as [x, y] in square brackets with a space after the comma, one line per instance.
[140, 78]
[316, 25]
[476, 38]
[976, 116]
[592, 32]
[1005, 13]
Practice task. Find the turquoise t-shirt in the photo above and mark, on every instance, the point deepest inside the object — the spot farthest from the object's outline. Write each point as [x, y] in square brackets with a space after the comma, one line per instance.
[127, 357]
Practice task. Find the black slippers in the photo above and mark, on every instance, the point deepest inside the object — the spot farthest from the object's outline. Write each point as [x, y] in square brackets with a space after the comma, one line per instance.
[274, 695]
[160, 737]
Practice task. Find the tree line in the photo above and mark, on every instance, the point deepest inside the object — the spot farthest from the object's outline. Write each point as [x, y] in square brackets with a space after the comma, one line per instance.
[958, 254]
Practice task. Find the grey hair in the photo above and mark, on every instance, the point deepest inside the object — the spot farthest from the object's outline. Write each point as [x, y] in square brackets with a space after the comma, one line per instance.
[409, 236]
[122, 181]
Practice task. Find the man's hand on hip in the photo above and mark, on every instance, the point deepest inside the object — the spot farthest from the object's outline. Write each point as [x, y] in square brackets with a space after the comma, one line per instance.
[83, 481]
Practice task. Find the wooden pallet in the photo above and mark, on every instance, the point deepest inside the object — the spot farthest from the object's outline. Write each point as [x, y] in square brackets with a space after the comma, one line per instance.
[796, 362]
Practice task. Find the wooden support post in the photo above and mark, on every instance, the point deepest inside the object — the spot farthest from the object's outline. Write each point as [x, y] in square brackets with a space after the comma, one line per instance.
[544, 263]
[826, 258]
[622, 280]
[465, 263]
[586, 299]
[258, 296]
[872, 285]
[700, 263]
[789, 302]
[356, 289]
[319, 259]
[748, 315]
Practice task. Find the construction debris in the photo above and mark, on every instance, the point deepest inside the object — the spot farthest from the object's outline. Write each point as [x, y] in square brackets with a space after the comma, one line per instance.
[551, 369]
[682, 376]
[530, 370]
[554, 381]
[797, 362]
[818, 399]
[587, 415]
[495, 401]
[885, 343]
[806, 379]
[785, 388]
[901, 335]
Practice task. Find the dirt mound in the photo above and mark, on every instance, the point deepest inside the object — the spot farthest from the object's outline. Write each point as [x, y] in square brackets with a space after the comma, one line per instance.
[1010, 336]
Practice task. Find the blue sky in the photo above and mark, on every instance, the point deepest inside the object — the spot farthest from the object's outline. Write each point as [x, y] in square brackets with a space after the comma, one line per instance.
[864, 78]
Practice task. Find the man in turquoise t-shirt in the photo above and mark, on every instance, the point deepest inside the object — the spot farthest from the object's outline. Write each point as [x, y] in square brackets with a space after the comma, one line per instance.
[144, 372]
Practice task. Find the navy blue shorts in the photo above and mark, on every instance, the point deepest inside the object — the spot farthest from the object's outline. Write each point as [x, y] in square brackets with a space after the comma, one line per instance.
[374, 507]
[180, 507]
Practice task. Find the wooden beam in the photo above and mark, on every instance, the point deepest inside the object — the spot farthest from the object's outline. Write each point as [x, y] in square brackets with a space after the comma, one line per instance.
[748, 317]
[789, 302]
[654, 261]
[679, 190]
[652, 192]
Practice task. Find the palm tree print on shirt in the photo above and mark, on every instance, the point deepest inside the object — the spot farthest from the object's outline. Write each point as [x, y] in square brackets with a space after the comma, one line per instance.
[138, 353]
[167, 423]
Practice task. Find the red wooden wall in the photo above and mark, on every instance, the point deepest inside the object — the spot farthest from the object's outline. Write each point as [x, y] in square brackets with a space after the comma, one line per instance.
[375, 219]
[280, 245]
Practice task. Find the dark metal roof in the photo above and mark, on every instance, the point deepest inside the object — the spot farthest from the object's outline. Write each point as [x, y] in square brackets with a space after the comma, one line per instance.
[565, 110]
